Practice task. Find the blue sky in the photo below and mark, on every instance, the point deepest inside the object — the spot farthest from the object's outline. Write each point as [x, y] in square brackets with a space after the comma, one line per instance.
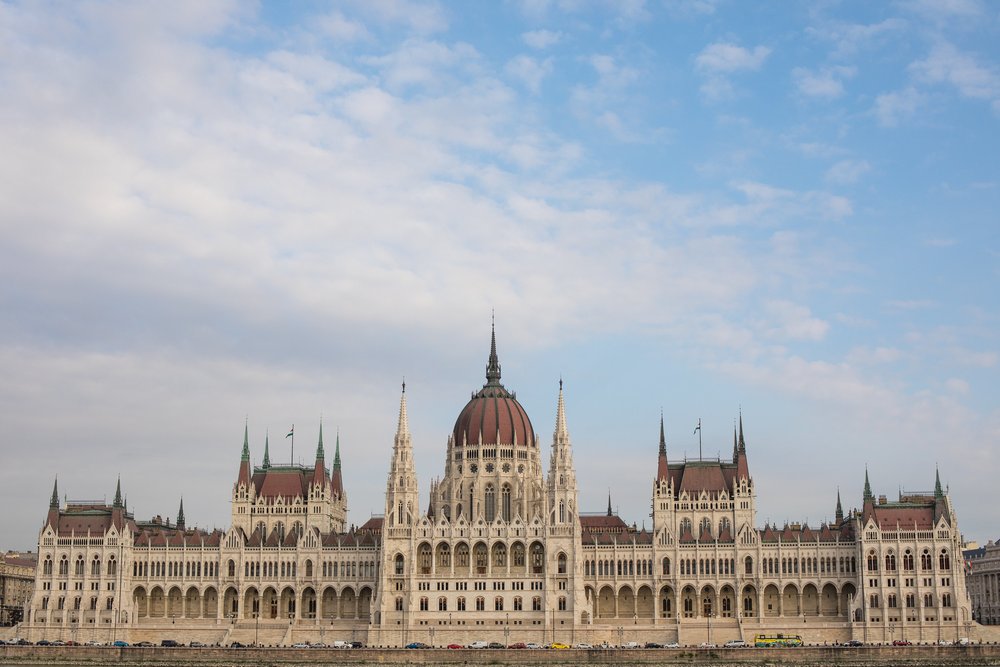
[216, 211]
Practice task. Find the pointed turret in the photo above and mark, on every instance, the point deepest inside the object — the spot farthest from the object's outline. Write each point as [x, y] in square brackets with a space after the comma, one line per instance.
[562, 490]
[244, 475]
[868, 497]
[742, 467]
[180, 515]
[840, 510]
[402, 501]
[53, 516]
[118, 493]
[319, 470]
[661, 460]
[336, 477]
[736, 449]
[266, 463]
[609, 503]
[938, 490]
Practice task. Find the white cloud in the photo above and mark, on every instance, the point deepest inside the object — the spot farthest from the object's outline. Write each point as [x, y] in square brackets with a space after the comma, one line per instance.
[894, 107]
[529, 71]
[342, 29]
[725, 57]
[850, 38]
[957, 386]
[828, 82]
[946, 64]
[847, 172]
[541, 39]
[790, 321]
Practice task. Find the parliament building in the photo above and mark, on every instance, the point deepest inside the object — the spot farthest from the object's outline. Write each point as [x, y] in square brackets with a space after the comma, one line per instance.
[501, 552]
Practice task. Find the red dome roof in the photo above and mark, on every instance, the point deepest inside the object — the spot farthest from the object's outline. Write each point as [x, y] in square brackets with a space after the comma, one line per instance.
[496, 414]
[493, 412]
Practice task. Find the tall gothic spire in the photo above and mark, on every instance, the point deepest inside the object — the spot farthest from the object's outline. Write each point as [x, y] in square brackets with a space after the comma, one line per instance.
[403, 428]
[609, 502]
[180, 515]
[743, 444]
[938, 491]
[493, 367]
[246, 442]
[661, 459]
[54, 500]
[118, 492]
[562, 432]
[319, 446]
[336, 477]
[266, 463]
[840, 510]
[868, 488]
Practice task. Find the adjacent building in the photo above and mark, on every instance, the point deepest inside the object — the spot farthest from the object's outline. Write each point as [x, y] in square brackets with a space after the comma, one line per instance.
[17, 580]
[983, 580]
[502, 551]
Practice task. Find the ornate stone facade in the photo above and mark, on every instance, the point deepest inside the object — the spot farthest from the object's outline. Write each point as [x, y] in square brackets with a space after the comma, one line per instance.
[502, 552]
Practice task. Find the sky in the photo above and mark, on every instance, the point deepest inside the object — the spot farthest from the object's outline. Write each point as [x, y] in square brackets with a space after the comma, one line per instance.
[221, 213]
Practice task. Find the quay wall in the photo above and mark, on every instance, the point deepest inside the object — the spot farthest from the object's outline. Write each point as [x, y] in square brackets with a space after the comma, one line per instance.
[977, 654]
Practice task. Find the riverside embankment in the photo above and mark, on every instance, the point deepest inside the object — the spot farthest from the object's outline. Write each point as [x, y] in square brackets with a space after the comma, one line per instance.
[986, 654]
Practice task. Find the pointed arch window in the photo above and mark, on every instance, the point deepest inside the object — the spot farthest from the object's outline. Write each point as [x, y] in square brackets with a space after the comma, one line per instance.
[491, 503]
[505, 506]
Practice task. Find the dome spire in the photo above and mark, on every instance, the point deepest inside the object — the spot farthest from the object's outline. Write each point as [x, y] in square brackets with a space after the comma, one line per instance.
[493, 367]
[661, 459]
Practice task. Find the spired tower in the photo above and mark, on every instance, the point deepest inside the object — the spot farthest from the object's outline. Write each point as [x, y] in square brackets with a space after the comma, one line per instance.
[493, 469]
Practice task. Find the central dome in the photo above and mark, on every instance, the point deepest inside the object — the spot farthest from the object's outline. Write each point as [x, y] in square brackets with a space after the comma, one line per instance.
[493, 415]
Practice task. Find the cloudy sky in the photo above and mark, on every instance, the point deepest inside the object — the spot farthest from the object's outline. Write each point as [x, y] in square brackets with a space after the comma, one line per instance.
[213, 212]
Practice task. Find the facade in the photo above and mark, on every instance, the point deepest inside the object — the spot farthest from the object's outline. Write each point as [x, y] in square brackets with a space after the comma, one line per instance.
[982, 566]
[17, 580]
[502, 552]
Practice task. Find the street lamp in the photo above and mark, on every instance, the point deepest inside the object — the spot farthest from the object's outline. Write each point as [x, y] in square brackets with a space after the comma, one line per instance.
[506, 630]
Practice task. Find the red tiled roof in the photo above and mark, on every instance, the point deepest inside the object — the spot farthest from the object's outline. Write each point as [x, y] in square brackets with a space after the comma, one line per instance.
[699, 477]
[888, 517]
[602, 522]
[286, 483]
[373, 524]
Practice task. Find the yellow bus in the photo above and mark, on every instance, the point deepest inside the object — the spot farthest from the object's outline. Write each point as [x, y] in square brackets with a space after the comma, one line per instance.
[771, 641]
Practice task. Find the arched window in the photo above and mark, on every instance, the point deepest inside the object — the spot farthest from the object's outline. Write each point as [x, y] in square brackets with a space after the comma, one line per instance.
[944, 561]
[537, 558]
[309, 568]
[442, 604]
[666, 565]
[399, 564]
[480, 603]
[748, 565]
[562, 563]
[908, 560]
[498, 603]
[562, 603]
[872, 562]
[925, 560]
[890, 562]
[460, 604]
[505, 507]
[685, 526]
[724, 525]
[562, 511]
[705, 527]
[518, 604]
[95, 566]
[47, 565]
[399, 604]
[232, 568]
[423, 604]
[78, 570]
[491, 503]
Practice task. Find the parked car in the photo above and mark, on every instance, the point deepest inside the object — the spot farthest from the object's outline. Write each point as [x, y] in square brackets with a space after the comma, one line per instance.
[902, 642]
[707, 645]
[558, 645]
[417, 645]
[120, 643]
[518, 645]
[736, 643]
[318, 645]
[854, 642]
[197, 645]
[671, 645]
[94, 642]
[237, 645]
[144, 644]
[631, 645]
[455, 646]
[43, 642]
[652, 645]
[300, 645]
[170, 643]
[583, 645]
[357, 644]
[532, 645]
[478, 644]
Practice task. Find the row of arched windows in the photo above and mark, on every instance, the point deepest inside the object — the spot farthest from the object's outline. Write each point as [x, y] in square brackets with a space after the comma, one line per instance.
[926, 560]
[79, 568]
